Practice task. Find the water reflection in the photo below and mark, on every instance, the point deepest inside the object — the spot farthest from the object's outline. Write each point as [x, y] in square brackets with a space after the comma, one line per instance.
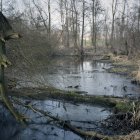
[39, 128]
[87, 75]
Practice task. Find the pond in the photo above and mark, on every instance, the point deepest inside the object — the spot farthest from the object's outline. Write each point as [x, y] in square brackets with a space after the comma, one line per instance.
[85, 117]
[67, 73]
[88, 76]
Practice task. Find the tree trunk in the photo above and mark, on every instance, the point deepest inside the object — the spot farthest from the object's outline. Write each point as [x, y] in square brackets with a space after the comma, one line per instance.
[76, 24]
[67, 24]
[106, 31]
[49, 11]
[95, 35]
[139, 17]
[6, 33]
[1, 5]
[83, 25]
[42, 17]
[3, 89]
[114, 7]
[93, 23]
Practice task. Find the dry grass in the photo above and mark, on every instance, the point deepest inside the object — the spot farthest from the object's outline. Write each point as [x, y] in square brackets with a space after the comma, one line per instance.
[119, 58]
[133, 136]
[137, 77]
[118, 70]
[122, 61]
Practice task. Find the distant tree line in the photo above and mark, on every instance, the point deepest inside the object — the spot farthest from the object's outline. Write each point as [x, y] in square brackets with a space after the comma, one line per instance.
[120, 24]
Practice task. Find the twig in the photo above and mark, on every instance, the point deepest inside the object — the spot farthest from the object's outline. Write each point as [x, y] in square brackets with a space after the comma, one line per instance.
[66, 124]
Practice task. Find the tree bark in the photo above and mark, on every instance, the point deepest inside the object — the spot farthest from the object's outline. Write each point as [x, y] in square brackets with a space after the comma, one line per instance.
[3, 89]
[6, 33]
[106, 31]
[139, 17]
[76, 24]
[93, 25]
[83, 25]
[1, 5]
[67, 24]
[114, 8]
[49, 11]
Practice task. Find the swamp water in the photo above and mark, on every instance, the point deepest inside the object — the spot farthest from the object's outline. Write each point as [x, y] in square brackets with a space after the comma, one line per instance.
[67, 74]
[85, 117]
[87, 76]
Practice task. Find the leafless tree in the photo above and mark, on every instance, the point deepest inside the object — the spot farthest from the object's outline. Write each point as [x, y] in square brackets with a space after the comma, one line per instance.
[106, 29]
[1, 5]
[139, 16]
[83, 25]
[114, 10]
[96, 9]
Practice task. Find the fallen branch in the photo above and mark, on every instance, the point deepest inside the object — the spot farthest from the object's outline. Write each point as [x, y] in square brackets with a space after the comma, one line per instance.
[66, 124]
[7, 102]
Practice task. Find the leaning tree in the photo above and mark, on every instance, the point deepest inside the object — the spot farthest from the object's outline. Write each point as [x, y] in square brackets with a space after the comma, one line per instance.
[6, 33]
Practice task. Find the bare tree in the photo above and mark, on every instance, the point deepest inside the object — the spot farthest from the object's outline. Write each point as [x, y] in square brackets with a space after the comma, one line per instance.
[74, 21]
[93, 25]
[83, 25]
[43, 17]
[139, 16]
[96, 9]
[1, 5]
[123, 19]
[106, 29]
[49, 28]
[114, 10]
[66, 3]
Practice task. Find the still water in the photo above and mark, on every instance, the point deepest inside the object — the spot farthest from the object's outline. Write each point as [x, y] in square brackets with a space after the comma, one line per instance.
[67, 74]
[88, 76]
[85, 117]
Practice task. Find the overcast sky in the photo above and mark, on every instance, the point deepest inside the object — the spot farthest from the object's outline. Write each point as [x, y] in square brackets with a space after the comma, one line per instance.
[55, 14]
[20, 5]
